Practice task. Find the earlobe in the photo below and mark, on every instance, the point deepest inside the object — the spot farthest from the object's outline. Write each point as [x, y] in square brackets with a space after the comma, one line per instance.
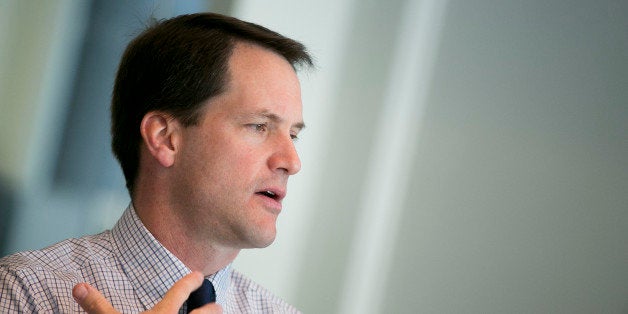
[158, 133]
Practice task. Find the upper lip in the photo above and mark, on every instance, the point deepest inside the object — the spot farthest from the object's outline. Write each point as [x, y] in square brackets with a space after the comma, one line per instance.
[279, 193]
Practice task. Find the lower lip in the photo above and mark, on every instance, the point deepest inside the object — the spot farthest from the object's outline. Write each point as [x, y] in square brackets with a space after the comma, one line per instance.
[273, 205]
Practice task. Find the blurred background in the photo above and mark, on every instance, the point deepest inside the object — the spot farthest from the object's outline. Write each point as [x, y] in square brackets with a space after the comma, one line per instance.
[460, 156]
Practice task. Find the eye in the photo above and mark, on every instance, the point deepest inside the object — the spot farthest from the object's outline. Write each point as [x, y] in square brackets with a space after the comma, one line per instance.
[259, 127]
[294, 137]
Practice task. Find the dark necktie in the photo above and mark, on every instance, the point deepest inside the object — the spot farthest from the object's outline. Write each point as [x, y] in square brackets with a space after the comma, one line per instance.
[201, 296]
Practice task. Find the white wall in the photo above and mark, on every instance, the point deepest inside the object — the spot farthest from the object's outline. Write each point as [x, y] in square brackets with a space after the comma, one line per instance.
[39, 42]
[514, 199]
[519, 201]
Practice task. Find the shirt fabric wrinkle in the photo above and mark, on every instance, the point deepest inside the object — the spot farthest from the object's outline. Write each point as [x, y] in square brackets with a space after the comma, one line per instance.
[127, 265]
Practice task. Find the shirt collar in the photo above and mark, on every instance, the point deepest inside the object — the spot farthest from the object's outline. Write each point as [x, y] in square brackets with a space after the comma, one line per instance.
[221, 281]
[150, 267]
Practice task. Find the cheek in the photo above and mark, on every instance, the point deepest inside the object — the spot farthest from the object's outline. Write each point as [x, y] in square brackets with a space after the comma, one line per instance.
[225, 163]
[227, 169]
[244, 155]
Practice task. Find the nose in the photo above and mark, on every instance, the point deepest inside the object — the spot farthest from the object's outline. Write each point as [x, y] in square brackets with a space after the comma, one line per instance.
[285, 157]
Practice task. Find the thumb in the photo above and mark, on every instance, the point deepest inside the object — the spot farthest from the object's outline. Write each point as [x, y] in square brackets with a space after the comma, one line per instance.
[91, 300]
[210, 308]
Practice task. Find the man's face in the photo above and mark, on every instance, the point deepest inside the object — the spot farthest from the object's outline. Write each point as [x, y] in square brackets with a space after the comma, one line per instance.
[232, 169]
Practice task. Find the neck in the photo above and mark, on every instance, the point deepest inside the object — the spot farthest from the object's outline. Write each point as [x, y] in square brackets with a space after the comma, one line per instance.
[197, 253]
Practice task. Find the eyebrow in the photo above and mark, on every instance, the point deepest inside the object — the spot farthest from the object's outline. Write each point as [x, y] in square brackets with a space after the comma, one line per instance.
[277, 119]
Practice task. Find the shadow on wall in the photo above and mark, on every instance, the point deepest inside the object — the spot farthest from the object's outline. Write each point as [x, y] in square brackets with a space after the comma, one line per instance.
[7, 206]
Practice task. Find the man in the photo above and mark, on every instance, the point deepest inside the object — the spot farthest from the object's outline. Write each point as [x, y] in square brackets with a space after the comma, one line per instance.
[205, 110]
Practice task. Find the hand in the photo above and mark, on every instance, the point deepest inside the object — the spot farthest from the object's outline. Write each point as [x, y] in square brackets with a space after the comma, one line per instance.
[93, 302]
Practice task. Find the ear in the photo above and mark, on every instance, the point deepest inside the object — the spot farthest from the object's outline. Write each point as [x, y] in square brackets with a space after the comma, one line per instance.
[159, 133]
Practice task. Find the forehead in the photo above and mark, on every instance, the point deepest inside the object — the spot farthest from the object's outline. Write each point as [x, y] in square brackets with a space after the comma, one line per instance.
[251, 63]
[260, 80]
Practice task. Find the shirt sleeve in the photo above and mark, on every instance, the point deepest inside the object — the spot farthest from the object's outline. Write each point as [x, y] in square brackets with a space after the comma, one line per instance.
[15, 292]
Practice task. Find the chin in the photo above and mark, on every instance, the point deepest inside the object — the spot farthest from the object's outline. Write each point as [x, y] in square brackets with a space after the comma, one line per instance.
[265, 241]
[262, 238]
[260, 233]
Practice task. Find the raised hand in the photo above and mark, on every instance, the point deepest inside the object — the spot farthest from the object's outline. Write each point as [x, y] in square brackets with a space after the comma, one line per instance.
[93, 302]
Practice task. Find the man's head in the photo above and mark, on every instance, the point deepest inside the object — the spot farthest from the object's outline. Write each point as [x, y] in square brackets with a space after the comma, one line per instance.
[226, 176]
[176, 67]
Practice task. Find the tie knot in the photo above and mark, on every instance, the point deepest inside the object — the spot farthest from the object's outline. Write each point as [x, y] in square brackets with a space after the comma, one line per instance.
[201, 296]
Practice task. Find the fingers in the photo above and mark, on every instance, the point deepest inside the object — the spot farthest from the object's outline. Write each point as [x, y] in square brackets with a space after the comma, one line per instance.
[179, 293]
[210, 308]
[91, 300]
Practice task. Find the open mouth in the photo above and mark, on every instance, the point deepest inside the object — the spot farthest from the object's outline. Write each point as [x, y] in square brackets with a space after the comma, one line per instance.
[269, 194]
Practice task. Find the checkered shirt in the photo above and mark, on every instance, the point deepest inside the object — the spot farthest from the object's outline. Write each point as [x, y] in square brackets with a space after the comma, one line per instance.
[127, 265]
